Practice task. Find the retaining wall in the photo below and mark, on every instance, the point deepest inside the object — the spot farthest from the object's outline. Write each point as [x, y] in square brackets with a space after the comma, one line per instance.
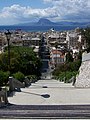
[83, 79]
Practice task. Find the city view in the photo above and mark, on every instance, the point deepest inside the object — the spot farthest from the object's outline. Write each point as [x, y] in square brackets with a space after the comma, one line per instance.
[45, 59]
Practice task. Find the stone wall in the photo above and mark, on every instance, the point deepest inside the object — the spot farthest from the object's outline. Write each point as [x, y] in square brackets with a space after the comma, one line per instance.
[85, 57]
[83, 79]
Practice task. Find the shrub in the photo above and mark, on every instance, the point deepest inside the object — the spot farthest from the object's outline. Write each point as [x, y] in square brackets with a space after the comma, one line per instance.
[61, 76]
[19, 76]
[32, 78]
[66, 76]
[4, 78]
[71, 66]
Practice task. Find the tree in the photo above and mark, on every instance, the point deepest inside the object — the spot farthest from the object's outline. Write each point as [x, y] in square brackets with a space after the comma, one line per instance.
[14, 61]
[4, 78]
[22, 59]
[69, 57]
[86, 33]
[19, 76]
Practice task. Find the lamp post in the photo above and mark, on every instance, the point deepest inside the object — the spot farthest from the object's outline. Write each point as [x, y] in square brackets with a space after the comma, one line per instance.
[8, 36]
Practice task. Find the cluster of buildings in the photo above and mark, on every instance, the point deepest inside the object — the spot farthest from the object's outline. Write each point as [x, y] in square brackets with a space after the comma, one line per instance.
[58, 43]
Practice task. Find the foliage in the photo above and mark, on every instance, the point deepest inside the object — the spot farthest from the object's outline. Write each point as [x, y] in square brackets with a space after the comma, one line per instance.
[80, 55]
[4, 78]
[22, 59]
[66, 76]
[69, 57]
[19, 76]
[66, 71]
[4, 61]
[32, 78]
[71, 66]
[86, 33]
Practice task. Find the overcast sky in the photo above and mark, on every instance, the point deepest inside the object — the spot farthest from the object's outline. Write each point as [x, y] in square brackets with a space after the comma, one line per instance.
[21, 11]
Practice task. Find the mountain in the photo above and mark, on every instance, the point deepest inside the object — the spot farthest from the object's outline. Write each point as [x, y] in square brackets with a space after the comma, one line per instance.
[67, 23]
[46, 22]
[41, 22]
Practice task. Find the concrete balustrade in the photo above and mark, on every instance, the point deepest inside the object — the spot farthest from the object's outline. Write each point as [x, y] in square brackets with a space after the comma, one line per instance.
[13, 83]
[3, 98]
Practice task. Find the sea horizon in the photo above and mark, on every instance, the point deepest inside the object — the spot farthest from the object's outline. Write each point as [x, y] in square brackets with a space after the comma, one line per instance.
[38, 28]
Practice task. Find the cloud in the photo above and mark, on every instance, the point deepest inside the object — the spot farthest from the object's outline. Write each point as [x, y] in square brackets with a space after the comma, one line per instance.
[17, 14]
[73, 10]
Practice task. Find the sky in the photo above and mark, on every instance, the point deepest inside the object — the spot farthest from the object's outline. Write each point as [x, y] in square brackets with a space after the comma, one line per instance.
[23, 11]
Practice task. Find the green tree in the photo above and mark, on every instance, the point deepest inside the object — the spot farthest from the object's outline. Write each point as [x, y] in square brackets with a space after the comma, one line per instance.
[19, 76]
[69, 57]
[86, 33]
[4, 78]
[22, 59]
[65, 71]
[14, 61]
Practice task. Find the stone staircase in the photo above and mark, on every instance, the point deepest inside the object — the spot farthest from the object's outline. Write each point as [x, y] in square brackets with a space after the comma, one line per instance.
[45, 112]
[30, 104]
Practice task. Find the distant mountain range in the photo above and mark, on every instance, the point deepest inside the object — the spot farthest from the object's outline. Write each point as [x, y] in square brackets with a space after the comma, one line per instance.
[46, 22]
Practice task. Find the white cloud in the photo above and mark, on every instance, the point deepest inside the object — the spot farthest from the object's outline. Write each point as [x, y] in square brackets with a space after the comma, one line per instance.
[71, 9]
[76, 10]
[17, 13]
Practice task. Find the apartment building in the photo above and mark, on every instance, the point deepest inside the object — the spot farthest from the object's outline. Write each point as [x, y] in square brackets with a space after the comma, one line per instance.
[56, 57]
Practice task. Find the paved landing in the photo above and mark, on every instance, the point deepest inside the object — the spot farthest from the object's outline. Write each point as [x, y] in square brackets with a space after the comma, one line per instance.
[50, 92]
